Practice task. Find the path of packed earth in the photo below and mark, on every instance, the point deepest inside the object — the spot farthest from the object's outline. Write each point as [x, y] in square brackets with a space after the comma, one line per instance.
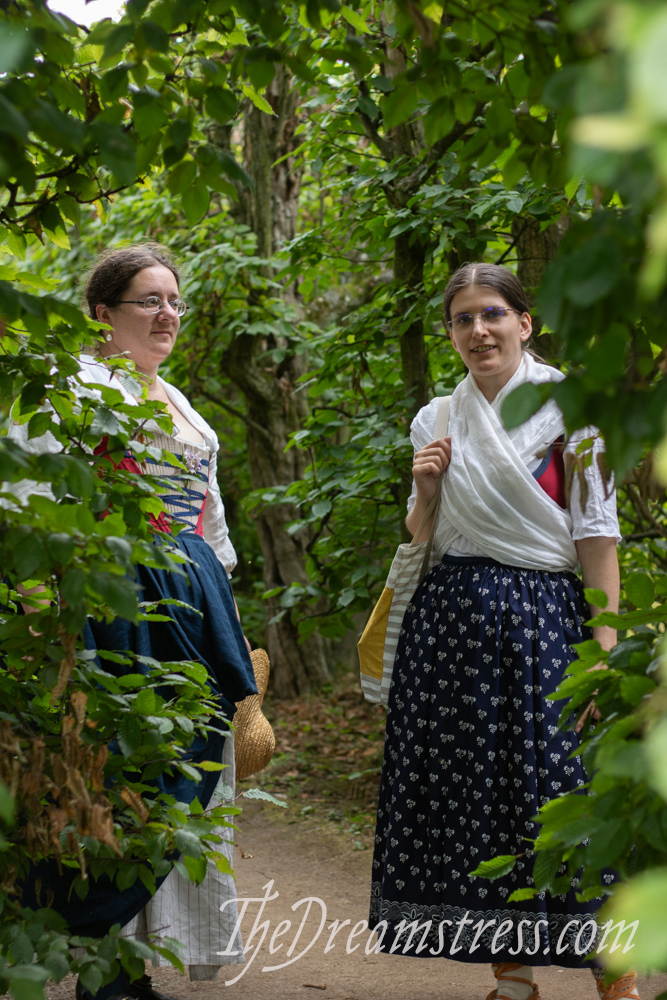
[304, 860]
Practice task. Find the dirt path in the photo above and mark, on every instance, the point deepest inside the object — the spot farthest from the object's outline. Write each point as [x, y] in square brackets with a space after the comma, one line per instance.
[303, 863]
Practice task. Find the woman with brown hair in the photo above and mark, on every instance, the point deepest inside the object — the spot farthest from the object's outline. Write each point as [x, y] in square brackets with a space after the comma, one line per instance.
[136, 291]
[473, 747]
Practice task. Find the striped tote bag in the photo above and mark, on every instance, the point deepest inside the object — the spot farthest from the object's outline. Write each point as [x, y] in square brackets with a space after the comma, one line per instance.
[378, 642]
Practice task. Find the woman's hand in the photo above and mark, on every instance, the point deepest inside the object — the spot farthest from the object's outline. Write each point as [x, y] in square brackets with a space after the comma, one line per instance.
[591, 710]
[429, 464]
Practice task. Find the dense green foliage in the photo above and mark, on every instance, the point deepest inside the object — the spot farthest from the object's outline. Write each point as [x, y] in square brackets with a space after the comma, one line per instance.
[426, 136]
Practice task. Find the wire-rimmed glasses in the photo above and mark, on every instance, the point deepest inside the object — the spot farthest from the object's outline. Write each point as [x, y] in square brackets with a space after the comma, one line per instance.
[154, 304]
[490, 316]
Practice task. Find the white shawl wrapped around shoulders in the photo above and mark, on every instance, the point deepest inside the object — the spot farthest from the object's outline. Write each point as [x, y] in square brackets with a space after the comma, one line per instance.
[488, 494]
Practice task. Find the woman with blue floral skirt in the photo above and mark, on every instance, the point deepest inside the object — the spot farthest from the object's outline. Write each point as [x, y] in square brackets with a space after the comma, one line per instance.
[473, 747]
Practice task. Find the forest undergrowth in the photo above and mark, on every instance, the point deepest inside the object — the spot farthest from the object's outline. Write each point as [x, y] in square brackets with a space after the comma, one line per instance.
[328, 758]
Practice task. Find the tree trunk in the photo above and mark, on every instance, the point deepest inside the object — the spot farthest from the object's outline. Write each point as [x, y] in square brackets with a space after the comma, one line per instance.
[536, 248]
[274, 411]
[409, 273]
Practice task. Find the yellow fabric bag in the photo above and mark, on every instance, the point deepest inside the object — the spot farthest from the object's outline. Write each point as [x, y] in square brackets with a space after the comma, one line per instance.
[378, 642]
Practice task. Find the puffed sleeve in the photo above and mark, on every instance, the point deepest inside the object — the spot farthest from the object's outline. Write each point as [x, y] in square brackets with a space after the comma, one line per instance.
[600, 515]
[216, 532]
[422, 430]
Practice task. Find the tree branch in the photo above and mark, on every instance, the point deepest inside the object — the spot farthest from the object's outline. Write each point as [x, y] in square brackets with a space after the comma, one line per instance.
[408, 185]
[385, 146]
[212, 398]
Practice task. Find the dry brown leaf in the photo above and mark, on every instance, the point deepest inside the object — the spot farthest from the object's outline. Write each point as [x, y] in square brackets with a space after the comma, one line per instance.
[102, 826]
[136, 803]
[78, 701]
[67, 664]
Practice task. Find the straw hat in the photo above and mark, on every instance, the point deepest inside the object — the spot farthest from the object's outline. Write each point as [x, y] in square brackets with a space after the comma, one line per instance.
[254, 741]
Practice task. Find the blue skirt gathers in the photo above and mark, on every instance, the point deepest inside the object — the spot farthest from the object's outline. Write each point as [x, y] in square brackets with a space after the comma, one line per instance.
[214, 639]
[472, 751]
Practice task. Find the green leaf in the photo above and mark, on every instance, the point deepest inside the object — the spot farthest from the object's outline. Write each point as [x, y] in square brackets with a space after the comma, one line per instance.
[15, 43]
[55, 229]
[496, 867]
[149, 118]
[596, 597]
[656, 752]
[80, 479]
[221, 104]
[513, 171]
[187, 843]
[398, 105]
[641, 900]
[592, 271]
[259, 793]
[259, 101]
[322, 507]
[60, 547]
[182, 176]
[519, 894]
[148, 879]
[127, 876]
[609, 842]
[521, 404]
[545, 869]
[91, 977]
[623, 759]
[117, 39]
[154, 36]
[27, 556]
[118, 592]
[39, 424]
[439, 120]
[639, 590]
[499, 119]
[196, 868]
[634, 689]
[355, 20]
[61, 130]
[7, 805]
[73, 586]
[26, 982]
[117, 151]
[233, 169]
[129, 735]
[196, 199]
[104, 422]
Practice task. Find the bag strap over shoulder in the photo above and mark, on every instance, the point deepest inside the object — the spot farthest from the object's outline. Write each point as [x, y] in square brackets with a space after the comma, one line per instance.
[433, 509]
[442, 418]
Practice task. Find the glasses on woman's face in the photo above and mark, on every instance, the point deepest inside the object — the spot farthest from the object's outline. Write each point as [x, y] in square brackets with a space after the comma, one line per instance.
[491, 316]
[154, 304]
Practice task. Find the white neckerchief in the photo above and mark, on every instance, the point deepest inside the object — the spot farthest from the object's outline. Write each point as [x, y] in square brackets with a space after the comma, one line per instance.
[93, 369]
[488, 494]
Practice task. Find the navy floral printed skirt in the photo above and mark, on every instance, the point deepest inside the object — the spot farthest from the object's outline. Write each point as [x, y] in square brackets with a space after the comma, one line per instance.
[472, 750]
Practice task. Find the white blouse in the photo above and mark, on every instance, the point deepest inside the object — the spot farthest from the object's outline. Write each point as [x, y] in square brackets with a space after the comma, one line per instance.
[93, 371]
[600, 516]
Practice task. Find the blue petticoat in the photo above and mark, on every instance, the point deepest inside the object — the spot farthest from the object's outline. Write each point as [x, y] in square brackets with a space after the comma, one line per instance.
[215, 639]
[472, 750]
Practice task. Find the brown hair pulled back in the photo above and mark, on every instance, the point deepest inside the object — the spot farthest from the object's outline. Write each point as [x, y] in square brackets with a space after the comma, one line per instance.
[492, 276]
[115, 269]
